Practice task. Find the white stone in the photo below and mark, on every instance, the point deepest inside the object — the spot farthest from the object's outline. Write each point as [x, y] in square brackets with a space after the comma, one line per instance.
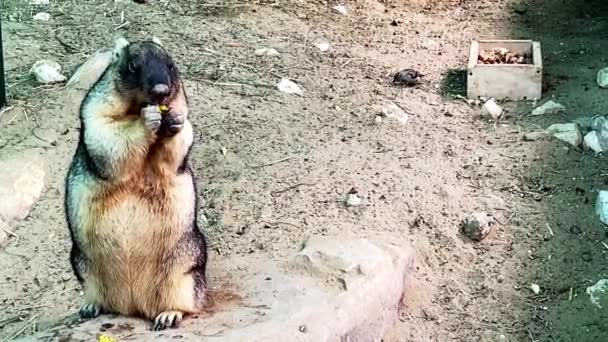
[390, 110]
[476, 226]
[602, 78]
[267, 52]
[39, 2]
[341, 9]
[566, 132]
[323, 45]
[289, 87]
[42, 16]
[601, 206]
[21, 183]
[549, 107]
[352, 200]
[47, 72]
[598, 293]
[491, 109]
[592, 142]
[535, 288]
[333, 289]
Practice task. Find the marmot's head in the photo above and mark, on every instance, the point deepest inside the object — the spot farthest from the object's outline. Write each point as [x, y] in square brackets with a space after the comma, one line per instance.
[146, 71]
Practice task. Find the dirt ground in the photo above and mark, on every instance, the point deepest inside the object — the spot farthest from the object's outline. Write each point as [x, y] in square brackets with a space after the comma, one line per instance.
[417, 180]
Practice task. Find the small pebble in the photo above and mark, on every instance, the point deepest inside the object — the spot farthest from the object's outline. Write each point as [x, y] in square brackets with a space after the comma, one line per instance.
[353, 200]
[535, 288]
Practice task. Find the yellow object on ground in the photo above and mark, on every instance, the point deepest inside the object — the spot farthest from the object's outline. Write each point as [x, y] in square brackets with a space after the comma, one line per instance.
[106, 338]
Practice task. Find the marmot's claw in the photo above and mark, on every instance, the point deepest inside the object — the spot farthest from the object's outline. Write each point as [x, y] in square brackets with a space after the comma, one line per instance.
[88, 311]
[167, 319]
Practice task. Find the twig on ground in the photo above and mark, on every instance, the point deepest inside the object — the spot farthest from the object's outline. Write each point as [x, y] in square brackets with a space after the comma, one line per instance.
[11, 233]
[549, 228]
[274, 162]
[22, 328]
[275, 192]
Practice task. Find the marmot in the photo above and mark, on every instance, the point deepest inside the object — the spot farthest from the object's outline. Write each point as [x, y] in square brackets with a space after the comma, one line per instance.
[131, 201]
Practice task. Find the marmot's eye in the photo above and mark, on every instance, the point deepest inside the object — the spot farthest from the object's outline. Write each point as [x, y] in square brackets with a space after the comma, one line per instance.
[131, 67]
[171, 67]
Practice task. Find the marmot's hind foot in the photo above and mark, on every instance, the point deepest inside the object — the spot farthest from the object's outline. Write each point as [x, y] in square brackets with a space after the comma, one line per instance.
[88, 311]
[167, 319]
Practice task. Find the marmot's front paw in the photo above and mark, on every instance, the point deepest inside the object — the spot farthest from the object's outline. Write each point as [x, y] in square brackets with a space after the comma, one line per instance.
[173, 123]
[152, 117]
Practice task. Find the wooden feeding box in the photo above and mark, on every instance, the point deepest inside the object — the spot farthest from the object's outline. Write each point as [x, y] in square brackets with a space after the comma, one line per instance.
[504, 80]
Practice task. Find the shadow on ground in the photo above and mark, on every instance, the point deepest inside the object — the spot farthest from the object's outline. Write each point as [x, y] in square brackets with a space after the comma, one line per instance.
[564, 181]
[454, 83]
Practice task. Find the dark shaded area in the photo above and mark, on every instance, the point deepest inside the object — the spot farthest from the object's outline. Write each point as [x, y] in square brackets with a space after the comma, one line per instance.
[2, 78]
[454, 83]
[574, 38]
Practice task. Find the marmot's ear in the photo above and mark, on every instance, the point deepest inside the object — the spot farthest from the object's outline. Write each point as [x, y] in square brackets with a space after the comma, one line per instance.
[119, 45]
[156, 40]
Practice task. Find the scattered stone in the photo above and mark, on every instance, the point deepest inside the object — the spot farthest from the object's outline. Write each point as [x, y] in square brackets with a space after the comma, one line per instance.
[491, 109]
[289, 87]
[602, 78]
[21, 183]
[352, 200]
[323, 45]
[390, 110]
[598, 293]
[533, 136]
[341, 9]
[535, 288]
[267, 52]
[47, 72]
[592, 142]
[566, 132]
[476, 226]
[549, 107]
[42, 16]
[601, 206]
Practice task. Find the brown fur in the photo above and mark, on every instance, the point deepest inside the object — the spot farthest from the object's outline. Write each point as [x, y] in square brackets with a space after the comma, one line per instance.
[134, 227]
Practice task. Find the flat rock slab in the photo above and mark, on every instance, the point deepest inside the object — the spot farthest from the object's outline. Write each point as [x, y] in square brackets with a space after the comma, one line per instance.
[331, 290]
[21, 183]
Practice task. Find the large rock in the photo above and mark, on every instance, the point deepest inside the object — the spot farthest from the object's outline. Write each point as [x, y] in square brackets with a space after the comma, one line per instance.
[602, 78]
[89, 72]
[568, 132]
[598, 293]
[21, 183]
[333, 290]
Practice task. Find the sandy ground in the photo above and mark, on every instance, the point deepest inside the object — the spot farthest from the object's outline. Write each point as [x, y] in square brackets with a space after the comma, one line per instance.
[417, 180]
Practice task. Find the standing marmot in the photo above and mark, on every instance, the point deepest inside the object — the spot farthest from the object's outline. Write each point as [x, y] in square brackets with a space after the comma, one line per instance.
[131, 202]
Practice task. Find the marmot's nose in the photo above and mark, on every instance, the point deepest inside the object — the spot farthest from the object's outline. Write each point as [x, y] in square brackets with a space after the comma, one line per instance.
[160, 90]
